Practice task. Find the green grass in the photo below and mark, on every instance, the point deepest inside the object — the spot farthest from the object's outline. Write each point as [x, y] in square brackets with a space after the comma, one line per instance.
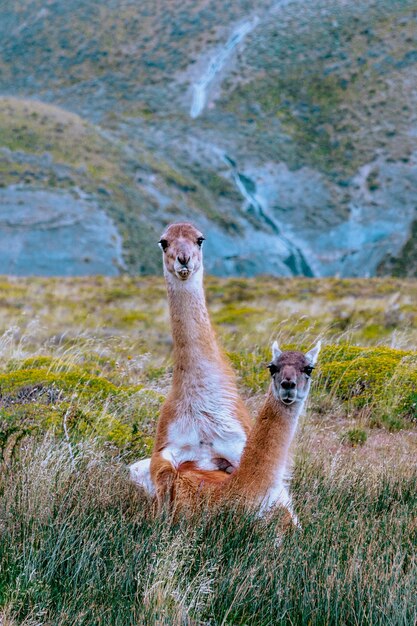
[354, 436]
[80, 545]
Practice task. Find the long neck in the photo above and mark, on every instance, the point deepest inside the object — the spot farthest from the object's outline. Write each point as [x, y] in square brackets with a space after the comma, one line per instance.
[193, 336]
[265, 456]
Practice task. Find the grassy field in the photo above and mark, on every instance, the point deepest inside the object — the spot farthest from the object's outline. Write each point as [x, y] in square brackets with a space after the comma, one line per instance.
[92, 357]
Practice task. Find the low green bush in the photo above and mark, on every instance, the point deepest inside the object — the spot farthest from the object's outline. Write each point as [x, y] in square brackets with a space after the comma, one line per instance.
[354, 436]
[383, 380]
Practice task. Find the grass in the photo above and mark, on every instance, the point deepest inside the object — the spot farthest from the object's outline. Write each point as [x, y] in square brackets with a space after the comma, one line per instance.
[80, 545]
[355, 436]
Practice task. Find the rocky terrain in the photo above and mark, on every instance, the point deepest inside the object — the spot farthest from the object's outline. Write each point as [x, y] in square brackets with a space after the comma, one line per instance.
[287, 132]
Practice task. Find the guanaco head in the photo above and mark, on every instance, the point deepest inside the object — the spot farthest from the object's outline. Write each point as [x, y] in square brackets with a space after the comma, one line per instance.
[291, 373]
[181, 246]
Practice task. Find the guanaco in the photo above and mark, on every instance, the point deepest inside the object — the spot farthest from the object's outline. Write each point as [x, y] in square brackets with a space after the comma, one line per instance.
[203, 419]
[261, 479]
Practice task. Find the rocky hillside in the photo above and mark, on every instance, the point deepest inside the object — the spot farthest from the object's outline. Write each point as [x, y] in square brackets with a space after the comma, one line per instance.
[289, 129]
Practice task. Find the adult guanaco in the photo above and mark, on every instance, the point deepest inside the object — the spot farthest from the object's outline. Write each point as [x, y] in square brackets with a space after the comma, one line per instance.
[203, 419]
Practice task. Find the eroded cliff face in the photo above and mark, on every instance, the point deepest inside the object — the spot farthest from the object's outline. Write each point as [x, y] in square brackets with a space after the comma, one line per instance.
[288, 133]
[53, 233]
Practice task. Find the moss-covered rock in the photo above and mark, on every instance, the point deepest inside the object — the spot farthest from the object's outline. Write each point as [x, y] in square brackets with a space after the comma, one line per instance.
[74, 381]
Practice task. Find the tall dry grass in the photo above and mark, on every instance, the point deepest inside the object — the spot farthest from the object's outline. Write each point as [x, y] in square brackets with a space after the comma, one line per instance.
[83, 547]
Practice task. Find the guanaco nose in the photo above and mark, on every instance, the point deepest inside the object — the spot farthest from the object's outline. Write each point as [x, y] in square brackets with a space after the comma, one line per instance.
[288, 384]
[183, 259]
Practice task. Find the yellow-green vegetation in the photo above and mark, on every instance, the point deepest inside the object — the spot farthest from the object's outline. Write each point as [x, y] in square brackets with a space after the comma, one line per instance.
[354, 436]
[42, 395]
[95, 353]
[382, 380]
[37, 128]
[85, 366]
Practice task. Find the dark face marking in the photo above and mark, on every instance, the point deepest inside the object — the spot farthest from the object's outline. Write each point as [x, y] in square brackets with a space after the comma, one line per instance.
[272, 368]
[164, 244]
[291, 373]
[308, 370]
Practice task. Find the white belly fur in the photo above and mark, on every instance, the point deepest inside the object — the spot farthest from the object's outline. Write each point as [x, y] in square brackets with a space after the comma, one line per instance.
[188, 442]
[205, 427]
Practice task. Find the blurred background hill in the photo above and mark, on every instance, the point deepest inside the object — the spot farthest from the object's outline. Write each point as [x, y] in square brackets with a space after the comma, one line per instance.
[287, 132]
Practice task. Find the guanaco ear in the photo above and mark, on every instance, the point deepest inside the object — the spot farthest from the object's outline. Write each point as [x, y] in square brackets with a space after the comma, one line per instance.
[314, 353]
[276, 352]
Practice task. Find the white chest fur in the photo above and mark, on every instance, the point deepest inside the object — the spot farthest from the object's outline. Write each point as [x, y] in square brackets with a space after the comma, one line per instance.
[205, 428]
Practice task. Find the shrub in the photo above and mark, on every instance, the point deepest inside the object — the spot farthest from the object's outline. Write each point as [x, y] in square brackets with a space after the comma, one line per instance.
[354, 436]
[36, 399]
[382, 379]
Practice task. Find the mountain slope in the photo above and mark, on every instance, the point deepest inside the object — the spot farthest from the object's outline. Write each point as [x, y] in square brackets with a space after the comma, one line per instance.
[289, 128]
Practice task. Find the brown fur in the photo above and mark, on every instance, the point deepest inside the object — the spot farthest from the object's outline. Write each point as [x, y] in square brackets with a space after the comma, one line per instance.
[267, 442]
[194, 340]
[266, 449]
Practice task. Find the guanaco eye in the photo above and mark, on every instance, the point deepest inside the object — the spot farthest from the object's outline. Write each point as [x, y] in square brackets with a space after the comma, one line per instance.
[272, 368]
[163, 243]
[200, 241]
[308, 370]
